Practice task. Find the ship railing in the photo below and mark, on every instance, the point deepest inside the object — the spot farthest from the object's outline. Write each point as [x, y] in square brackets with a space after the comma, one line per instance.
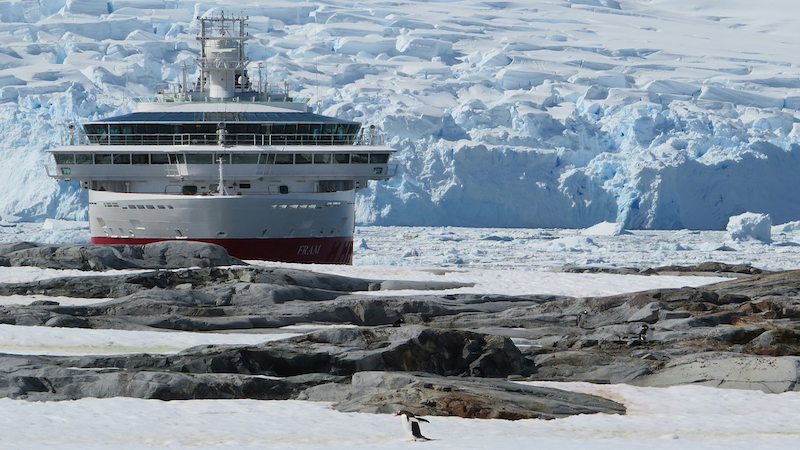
[51, 169]
[241, 97]
[236, 139]
[176, 170]
[369, 136]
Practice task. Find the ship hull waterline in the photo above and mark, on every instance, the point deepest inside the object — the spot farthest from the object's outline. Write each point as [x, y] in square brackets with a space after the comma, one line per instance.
[298, 228]
[319, 250]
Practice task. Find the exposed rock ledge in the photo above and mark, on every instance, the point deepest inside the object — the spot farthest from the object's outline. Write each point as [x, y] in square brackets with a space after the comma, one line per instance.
[435, 354]
[158, 255]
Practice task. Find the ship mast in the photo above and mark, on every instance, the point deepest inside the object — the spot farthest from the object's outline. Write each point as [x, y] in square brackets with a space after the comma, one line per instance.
[222, 62]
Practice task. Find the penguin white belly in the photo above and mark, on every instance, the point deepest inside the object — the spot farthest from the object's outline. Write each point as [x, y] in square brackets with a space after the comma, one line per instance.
[407, 426]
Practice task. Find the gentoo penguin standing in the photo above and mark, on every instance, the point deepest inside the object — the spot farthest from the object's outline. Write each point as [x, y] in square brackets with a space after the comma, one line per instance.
[411, 425]
[582, 317]
[646, 334]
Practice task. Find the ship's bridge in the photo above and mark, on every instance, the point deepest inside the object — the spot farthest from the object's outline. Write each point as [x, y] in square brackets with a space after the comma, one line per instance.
[278, 127]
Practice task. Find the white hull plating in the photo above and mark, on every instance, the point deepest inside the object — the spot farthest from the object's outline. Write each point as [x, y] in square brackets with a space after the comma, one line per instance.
[159, 216]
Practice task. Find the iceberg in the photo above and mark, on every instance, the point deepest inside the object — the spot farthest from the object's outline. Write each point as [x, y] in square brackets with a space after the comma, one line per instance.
[649, 115]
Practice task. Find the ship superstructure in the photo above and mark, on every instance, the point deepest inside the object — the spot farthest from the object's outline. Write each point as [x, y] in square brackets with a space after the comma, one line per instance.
[225, 161]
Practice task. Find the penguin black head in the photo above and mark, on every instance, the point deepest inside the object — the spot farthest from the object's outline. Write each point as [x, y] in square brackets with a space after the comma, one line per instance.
[410, 416]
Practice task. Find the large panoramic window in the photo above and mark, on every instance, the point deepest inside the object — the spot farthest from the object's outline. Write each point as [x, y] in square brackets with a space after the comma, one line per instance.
[65, 158]
[322, 158]
[245, 158]
[303, 158]
[159, 158]
[199, 158]
[360, 158]
[283, 158]
[378, 158]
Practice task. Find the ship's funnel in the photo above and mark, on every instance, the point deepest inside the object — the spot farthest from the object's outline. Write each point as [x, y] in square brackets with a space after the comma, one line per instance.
[222, 58]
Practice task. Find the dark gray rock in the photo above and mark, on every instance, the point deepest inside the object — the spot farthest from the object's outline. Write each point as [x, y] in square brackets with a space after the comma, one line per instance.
[649, 314]
[478, 336]
[591, 366]
[728, 370]
[345, 351]
[715, 267]
[425, 394]
[34, 379]
[158, 255]
[783, 342]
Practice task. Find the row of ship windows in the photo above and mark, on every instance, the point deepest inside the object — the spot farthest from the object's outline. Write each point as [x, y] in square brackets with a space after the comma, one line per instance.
[116, 205]
[310, 206]
[225, 158]
[100, 131]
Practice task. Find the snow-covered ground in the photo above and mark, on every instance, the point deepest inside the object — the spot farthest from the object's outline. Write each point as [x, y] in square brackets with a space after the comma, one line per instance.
[556, 113]
[681, 418]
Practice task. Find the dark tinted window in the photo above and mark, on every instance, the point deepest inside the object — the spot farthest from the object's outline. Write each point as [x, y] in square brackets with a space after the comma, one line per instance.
[379, 158]
[159, 158]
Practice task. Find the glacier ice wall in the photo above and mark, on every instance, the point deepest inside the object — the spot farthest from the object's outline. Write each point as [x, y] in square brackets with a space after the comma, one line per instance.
[565, 114]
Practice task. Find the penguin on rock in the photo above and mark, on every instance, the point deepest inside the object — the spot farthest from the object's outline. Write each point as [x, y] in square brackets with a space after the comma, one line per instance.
[646, 333]
[582, 318]
[411, 425]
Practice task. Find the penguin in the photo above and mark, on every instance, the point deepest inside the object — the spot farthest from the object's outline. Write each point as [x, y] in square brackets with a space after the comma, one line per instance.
[411, 425]
[582, 317]
[646, 334]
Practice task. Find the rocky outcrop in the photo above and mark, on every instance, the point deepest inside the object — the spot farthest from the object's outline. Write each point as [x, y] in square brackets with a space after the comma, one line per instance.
[389, 392]
[433, 354]
[42, 379]
[337, 351]
[706, 267]
[728, 370]
[158, 255]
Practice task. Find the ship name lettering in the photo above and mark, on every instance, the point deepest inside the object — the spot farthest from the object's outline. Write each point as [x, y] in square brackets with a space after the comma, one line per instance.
[308, 250]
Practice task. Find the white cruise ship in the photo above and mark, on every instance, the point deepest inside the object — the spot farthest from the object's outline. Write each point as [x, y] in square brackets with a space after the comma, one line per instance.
[224, 162]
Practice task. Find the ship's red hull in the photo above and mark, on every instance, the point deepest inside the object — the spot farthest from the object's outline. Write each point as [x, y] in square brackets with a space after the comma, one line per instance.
[322, 250]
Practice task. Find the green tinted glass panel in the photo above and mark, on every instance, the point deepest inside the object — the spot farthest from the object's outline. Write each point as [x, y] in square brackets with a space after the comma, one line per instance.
[159, 158]
[283, 158]
[379, 158]
[199, 158]
[322, 158]
[245, 158]
[65, 158]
